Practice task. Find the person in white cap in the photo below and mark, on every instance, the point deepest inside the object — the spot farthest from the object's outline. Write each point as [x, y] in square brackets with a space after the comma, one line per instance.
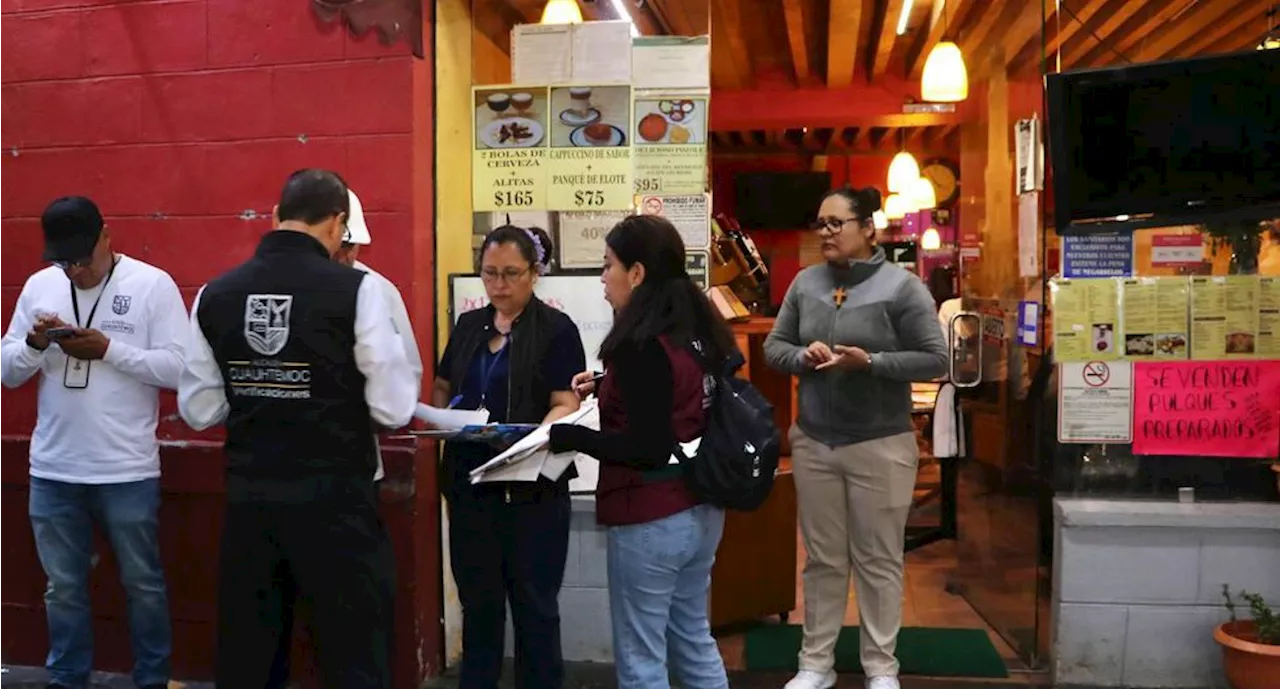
[355, 236]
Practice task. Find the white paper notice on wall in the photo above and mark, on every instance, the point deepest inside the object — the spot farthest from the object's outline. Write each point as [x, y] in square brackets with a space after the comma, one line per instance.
[1029, 234]
[671, 62]
[601, 52]
[541, 54]
[1028, 156]
[1095, 402]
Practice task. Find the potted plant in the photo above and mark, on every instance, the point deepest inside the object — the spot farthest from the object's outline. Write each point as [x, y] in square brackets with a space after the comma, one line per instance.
[1250, 648]
[1244, 239]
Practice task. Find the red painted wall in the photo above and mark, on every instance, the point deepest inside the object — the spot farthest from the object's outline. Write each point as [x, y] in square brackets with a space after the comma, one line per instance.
[181, 118]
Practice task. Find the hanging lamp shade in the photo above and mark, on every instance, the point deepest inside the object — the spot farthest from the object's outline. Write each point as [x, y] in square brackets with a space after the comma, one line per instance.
[880, 220]
[561, 12]
[902, 170]
[895, 207]
[931, 240]
[922, 193]
[945, 78]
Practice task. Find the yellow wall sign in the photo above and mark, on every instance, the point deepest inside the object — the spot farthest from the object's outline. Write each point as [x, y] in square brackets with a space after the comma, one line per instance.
[671, 145]
[1224, 317]
[1085, 319]
[589, 163]
[510, 143]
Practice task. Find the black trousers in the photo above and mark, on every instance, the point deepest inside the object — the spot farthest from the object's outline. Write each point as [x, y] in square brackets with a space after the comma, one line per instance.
[334, 554]
[510, 547]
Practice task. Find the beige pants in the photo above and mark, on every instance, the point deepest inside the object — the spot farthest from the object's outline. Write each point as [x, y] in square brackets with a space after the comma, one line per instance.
[853, 515]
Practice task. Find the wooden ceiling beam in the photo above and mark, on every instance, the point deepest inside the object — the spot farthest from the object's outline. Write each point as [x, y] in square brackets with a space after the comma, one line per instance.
[793, 11]
[878, 104]
[1025, 28]
[1232, 28]
[1120, 11]
[915, 137]
[947, 16]
[883, 37]
[973, 39]
[844, 22]
[730, 58]
[1154, 20]
[1203, 17]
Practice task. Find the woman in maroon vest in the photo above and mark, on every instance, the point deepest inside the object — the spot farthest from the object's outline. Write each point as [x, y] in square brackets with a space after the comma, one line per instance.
[665, 341]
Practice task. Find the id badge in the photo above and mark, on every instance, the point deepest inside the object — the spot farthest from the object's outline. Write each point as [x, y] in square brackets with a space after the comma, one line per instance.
[76, 374]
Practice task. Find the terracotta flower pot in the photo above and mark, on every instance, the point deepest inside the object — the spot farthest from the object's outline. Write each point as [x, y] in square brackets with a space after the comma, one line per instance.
[1248, 664]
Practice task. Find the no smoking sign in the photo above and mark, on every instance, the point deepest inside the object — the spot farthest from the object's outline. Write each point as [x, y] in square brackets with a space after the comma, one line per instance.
[1096, 374]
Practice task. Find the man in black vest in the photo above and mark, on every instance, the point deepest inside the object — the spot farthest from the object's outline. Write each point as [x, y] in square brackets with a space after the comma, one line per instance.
[296, 354]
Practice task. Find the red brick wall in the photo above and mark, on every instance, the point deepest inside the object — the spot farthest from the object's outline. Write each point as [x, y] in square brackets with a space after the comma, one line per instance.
[181, 118]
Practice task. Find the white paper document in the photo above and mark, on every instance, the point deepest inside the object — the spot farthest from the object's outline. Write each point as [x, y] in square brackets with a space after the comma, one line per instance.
[541, 53]
[529, 457]
[599, 53]
[671, 62]
[450, 419]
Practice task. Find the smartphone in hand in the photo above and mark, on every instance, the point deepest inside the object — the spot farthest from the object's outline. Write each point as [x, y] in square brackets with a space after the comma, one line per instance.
[55, 334]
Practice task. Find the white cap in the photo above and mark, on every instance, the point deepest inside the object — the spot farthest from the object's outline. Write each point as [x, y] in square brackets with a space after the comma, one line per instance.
[357, 232]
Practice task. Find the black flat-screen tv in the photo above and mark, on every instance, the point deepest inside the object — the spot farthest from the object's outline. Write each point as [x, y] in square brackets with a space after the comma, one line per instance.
[1166, 143]
[778, 200]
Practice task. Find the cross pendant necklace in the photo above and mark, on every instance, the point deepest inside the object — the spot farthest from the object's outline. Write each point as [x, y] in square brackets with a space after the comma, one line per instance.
[839, 296]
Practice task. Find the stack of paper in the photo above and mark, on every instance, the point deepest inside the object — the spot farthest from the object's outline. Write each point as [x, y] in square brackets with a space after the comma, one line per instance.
[451, 419]
[529, 457]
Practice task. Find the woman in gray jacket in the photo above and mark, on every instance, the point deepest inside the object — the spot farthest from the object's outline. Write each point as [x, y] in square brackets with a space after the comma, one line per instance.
[856, 330]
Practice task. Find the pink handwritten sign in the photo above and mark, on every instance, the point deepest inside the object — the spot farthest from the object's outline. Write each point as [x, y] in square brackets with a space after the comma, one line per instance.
[1207, 408]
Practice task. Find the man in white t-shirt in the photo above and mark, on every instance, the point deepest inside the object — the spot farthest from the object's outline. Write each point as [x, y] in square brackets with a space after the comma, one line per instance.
[356, 236]
[105, 333]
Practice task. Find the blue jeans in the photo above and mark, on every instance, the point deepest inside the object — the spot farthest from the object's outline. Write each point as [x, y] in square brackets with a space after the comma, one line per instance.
[62, 517]
[659, 576]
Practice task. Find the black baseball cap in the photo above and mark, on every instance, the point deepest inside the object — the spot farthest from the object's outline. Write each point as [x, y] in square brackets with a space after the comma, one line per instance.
[72, 225]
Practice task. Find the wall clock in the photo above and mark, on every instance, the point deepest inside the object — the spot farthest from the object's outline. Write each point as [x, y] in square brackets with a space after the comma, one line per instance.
[944, 175]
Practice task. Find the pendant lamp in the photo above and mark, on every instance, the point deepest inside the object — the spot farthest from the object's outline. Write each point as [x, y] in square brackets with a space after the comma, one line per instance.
[561, 12]
[945, 78]
[895, 207]
[922, 193]
[880, 220]
[931, 240]
[903, 170]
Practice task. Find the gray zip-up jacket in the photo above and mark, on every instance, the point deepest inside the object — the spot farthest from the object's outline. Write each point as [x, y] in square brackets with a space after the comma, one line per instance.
[888, 312]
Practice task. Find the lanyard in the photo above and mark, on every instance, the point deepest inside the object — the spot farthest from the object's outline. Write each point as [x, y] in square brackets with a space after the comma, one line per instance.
[487, 365]
[75, 301]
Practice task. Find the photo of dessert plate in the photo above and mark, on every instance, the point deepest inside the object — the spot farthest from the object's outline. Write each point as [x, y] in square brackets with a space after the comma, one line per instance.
[615, 137]
[512, 132]
[573, 118]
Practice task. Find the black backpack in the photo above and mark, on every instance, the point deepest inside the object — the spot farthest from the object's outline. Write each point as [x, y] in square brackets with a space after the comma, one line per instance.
[734, 465]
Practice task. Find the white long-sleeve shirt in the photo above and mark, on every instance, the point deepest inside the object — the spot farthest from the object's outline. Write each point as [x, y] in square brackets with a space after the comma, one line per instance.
[400, 321]
[106, 431]
[390, 390]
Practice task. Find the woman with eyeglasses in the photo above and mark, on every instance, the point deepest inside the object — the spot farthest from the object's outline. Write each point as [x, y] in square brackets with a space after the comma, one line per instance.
[857, 330]
[516, 358]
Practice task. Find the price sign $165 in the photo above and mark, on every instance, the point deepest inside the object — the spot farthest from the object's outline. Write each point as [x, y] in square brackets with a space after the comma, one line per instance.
[510, 199]
[588, 198]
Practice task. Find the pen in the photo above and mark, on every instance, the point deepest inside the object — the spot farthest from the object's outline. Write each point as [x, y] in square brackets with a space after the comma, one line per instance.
[454, 402]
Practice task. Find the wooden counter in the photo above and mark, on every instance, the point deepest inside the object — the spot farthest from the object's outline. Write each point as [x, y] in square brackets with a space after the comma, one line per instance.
[755, 571]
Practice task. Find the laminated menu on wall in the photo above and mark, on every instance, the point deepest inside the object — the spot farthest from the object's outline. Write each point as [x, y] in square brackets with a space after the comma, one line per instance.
[1085, 319]
[1269, 318]
[1154, 317]
[1224, 317]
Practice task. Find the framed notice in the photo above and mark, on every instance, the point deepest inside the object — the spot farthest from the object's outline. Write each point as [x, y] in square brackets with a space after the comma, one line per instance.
[691, 214]
[1095, 402]
[582, 235]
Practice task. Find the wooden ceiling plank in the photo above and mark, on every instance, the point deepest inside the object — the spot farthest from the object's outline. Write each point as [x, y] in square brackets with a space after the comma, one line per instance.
[844, 21]
[1026, 28]
[1120, 12]
[1153, 19]
[733, 68]
[915, 137]
[883, 37]
[793, 11]
[1201, 18]
[1231, 27]
[973, 38]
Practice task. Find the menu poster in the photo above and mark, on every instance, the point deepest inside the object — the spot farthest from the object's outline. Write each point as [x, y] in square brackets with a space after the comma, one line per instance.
[1155, 317]
[582, 238]
[509, 170]
[690, 214]
[1269, 318]
[1209, 408]
[1224, 317]
[671, 145]
[1085, 318]
[589, 164]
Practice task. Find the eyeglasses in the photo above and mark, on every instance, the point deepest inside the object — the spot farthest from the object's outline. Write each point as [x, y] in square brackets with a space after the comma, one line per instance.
[509, 275]
[78, 263]
[833, 225]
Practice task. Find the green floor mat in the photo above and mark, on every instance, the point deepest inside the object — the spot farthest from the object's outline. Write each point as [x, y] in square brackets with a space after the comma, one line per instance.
[921, 651]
